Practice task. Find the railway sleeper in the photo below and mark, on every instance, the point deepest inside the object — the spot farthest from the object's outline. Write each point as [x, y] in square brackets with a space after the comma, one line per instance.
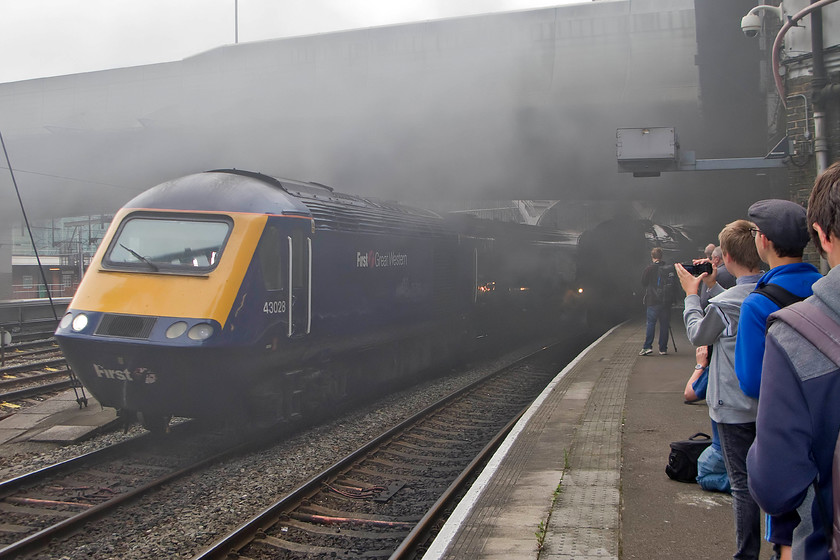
[351, 533]
[324, 551]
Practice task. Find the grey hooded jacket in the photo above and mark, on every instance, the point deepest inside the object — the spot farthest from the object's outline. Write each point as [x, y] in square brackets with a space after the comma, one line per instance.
[717, 326]
[797, 426]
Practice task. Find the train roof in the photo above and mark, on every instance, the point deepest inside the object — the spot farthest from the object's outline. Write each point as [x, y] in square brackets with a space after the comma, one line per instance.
[218, 192]
[234, 190]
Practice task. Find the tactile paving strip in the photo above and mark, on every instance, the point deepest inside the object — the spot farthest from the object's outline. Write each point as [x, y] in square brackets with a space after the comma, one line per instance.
[584, 415]
[585, 519]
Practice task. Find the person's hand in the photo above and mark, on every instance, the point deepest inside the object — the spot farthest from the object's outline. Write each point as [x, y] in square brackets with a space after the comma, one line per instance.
[690, 284]
[701, 354]
[709, 279]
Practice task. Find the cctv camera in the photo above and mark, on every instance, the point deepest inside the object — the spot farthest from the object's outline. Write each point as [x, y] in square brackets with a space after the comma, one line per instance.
[751, 25]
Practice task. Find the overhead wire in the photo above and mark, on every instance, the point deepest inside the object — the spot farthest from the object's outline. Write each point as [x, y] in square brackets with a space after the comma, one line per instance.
[75, 179]
[29, 229]
[82, 400]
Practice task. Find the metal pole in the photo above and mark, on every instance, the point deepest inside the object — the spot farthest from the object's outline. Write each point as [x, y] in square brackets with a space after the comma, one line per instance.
[674, 342]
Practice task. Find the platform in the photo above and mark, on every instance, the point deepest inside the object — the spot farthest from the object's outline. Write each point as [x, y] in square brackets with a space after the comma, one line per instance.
[57, 419]
[588, 461]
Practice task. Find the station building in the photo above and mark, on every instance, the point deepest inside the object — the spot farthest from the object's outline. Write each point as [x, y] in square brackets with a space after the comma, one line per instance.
[520, 105]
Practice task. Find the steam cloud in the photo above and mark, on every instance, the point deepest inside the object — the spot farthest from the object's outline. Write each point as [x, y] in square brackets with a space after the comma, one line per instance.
[520, 105]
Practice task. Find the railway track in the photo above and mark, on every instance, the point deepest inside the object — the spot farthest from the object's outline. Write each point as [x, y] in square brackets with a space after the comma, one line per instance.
[30, 358]
[33, 366]
[33, 336]
[33, 369]
[38, 506]
[26, 364]
[42, 343]
[383, 499]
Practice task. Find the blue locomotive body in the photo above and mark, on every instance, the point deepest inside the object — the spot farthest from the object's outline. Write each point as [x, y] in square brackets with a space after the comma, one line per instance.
[235, 293]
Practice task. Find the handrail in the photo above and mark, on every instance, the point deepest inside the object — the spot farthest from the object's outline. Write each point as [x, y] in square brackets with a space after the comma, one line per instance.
[291, 250]
[309, 288]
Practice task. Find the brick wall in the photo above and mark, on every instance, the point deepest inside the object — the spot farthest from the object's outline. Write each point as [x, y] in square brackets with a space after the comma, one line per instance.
[803, 171]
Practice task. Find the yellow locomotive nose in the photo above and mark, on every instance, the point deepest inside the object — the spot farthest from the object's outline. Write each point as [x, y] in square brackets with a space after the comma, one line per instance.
[135, 288]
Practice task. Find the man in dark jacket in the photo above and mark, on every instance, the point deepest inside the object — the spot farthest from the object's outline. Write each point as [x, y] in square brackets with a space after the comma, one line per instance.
[798, 412]
[781, 234]
[659, 281]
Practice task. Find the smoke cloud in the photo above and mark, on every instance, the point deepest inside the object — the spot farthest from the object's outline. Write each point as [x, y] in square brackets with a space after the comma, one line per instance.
[519, 105]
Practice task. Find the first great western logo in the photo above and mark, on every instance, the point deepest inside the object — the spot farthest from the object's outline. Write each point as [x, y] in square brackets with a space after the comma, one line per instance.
[375, 259]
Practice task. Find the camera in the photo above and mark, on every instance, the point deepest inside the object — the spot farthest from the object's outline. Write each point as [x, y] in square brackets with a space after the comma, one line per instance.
[698, 269]
[751, 24]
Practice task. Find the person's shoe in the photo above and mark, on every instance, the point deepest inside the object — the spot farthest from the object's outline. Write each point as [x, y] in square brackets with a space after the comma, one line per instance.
[663, 352]
[645, 352]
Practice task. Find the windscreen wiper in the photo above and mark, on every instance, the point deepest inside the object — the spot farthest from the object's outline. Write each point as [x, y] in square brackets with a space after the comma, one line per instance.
[140, 257]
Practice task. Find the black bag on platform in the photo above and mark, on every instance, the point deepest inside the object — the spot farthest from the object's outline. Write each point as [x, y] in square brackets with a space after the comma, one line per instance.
[682, 462]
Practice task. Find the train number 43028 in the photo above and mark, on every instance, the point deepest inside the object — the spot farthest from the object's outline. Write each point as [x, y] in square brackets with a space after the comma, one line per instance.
[274, 307]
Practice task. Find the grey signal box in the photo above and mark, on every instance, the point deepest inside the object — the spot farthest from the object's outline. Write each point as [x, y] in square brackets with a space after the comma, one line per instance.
[647, 143]
[647, 151]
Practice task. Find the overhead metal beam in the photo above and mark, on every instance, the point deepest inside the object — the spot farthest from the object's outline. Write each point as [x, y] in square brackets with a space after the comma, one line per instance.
[649, 152]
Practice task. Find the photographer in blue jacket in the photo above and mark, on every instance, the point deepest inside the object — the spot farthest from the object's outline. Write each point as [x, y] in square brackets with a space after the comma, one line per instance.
[781, 235]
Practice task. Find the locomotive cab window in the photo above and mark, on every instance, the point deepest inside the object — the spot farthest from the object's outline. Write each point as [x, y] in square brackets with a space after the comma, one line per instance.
[178, 245]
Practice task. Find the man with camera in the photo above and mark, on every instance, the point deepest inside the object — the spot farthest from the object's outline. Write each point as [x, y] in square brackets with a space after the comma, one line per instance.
[724, 277]
[717, 325]
[659, 281]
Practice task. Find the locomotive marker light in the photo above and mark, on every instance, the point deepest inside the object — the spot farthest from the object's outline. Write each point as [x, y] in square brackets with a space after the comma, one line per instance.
[648, 152]
[66, 320]
[80, 322]
[201, 331]
[176, 329]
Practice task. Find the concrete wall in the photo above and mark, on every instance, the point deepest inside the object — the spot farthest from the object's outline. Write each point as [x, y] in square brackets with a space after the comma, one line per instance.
[798, 39]
[518, 105]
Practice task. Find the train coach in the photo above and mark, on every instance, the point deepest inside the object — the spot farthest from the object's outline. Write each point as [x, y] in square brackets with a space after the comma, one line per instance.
[236, 294]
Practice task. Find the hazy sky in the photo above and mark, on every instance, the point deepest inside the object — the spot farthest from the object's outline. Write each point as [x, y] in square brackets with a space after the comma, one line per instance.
[41, 38]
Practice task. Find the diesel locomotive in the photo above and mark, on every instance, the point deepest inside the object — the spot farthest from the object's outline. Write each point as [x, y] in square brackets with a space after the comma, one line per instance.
[236, 294]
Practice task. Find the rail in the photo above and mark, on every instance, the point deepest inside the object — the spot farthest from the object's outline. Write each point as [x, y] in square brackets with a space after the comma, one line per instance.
[434, 445]
[186, 450]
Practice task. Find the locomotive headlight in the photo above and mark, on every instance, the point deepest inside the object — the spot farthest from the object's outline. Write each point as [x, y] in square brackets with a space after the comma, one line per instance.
[80, 322]
[176, 329]
[201, 331]
[66, 320]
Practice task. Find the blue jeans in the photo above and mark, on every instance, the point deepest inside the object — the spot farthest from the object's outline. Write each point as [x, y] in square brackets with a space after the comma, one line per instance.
[735, 441]
[711, 471]
[661, 313]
